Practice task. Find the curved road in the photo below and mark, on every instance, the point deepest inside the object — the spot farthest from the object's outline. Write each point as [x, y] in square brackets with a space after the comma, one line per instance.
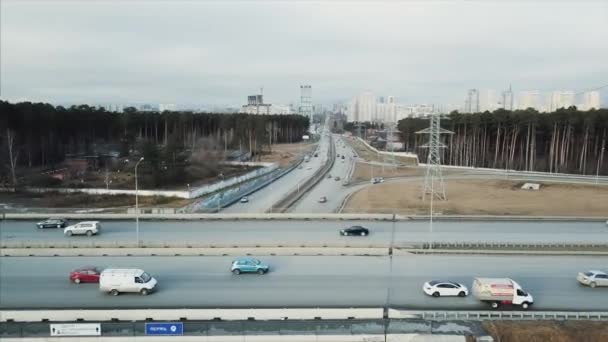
[195, 282]
[272, 233]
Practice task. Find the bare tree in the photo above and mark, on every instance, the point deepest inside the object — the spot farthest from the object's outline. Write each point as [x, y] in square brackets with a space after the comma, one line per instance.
[13, 155]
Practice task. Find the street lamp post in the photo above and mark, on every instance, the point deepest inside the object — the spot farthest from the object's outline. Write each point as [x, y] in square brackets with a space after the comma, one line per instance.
[137, 202]
[431, 215]
[597, 171]
[219, 200]
[390, 269]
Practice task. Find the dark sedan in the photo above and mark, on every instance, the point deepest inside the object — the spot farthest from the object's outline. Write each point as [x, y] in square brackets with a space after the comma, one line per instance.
[52, 223]
[355, 230]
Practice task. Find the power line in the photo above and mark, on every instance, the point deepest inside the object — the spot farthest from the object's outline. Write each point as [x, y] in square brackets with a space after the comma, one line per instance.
[591, 89]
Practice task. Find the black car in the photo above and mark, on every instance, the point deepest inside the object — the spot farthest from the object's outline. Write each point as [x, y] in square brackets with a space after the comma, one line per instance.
[52, 223]
[355, 230]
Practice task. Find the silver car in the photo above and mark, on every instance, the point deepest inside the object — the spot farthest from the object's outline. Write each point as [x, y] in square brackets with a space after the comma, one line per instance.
[593, 278]
[87, 228]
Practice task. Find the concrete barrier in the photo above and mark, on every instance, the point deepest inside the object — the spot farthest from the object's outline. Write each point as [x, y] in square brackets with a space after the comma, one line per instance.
[317, 337]
[236, 251]
[190, 314]
[210, 217]
[293, 216]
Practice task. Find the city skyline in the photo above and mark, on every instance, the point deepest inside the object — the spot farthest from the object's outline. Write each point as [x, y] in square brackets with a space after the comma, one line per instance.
[210, 53]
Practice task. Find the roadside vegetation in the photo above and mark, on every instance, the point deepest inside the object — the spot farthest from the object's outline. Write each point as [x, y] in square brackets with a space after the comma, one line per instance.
[80, 200]
[567, 140]
[81, 146]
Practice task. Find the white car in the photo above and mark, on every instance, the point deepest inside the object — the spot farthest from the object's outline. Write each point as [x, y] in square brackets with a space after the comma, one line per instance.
[593, 278]
[245, 199]
[438, 288]
[87, 228]
[323, 199]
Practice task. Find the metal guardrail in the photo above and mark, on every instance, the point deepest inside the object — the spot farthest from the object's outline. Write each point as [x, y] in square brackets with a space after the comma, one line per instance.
[516, 245]
[230, 196]
[500, 315]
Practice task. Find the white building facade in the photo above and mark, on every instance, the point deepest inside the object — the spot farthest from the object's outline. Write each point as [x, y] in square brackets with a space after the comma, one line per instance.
[591, 100]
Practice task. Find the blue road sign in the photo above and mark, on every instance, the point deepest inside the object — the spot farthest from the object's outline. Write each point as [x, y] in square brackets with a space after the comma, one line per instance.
[165, 328]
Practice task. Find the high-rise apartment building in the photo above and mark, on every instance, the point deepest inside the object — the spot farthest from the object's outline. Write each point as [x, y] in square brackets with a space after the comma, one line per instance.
[591, 100]
[471, 104]
[530, 99]
[392, 109]
[362, 108]
[488, 101]
[560, 99]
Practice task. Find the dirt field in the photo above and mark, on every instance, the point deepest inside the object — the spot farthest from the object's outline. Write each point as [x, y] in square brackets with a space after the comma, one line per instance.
[363, 172]
[76, 200]
[367, 154]
[286, 153]
[566, 331]
[472, 197]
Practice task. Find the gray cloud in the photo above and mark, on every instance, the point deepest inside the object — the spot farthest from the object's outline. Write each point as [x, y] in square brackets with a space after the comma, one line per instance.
[218, 52]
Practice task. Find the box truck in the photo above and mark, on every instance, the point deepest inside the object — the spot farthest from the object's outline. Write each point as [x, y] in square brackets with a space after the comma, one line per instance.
[499, 291]
[115, 281]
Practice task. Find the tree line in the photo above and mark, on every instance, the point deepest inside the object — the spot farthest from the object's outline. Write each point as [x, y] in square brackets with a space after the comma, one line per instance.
[40, 134]
[567, 140]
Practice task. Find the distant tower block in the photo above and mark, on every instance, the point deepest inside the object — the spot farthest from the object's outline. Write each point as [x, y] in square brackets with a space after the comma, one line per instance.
[306, 101]
[433, 182]
[390, 158]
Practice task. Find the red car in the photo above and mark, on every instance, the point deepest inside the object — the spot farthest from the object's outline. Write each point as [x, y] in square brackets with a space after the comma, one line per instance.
[86, 274]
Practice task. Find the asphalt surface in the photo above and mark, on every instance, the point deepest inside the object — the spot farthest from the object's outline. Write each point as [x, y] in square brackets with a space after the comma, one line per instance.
[265, 198]
[272, 233]
[332, 189]
[196, 282]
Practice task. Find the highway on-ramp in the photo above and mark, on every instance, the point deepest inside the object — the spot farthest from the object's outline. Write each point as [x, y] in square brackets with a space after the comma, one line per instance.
[312, 232]
[206, 282]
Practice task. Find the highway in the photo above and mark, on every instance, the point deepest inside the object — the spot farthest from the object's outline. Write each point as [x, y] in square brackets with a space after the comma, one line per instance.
[196, 282]
[248, 233]
[264, 199]
[329, 187]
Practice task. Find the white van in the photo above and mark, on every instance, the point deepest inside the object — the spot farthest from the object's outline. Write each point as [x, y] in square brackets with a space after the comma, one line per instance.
[115, 281]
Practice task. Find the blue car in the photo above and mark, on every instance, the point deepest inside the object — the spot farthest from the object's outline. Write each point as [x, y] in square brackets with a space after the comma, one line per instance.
[248, 265]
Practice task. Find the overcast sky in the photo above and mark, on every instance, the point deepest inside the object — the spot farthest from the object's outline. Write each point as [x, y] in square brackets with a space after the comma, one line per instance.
[209, 52]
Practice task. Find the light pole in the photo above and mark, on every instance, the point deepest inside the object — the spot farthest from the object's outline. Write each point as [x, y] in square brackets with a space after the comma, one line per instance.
[431, 215]
[597, 171]
[137, 202]
[219, 200]
[390, 269]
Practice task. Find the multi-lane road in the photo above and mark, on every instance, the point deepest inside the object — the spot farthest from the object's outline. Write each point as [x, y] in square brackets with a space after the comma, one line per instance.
[329, 187]
[272, 233]
[263, 199]
[195, 282]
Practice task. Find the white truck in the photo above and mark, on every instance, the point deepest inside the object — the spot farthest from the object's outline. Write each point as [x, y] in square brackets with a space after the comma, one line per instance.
[499, 291]
[115, 281]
